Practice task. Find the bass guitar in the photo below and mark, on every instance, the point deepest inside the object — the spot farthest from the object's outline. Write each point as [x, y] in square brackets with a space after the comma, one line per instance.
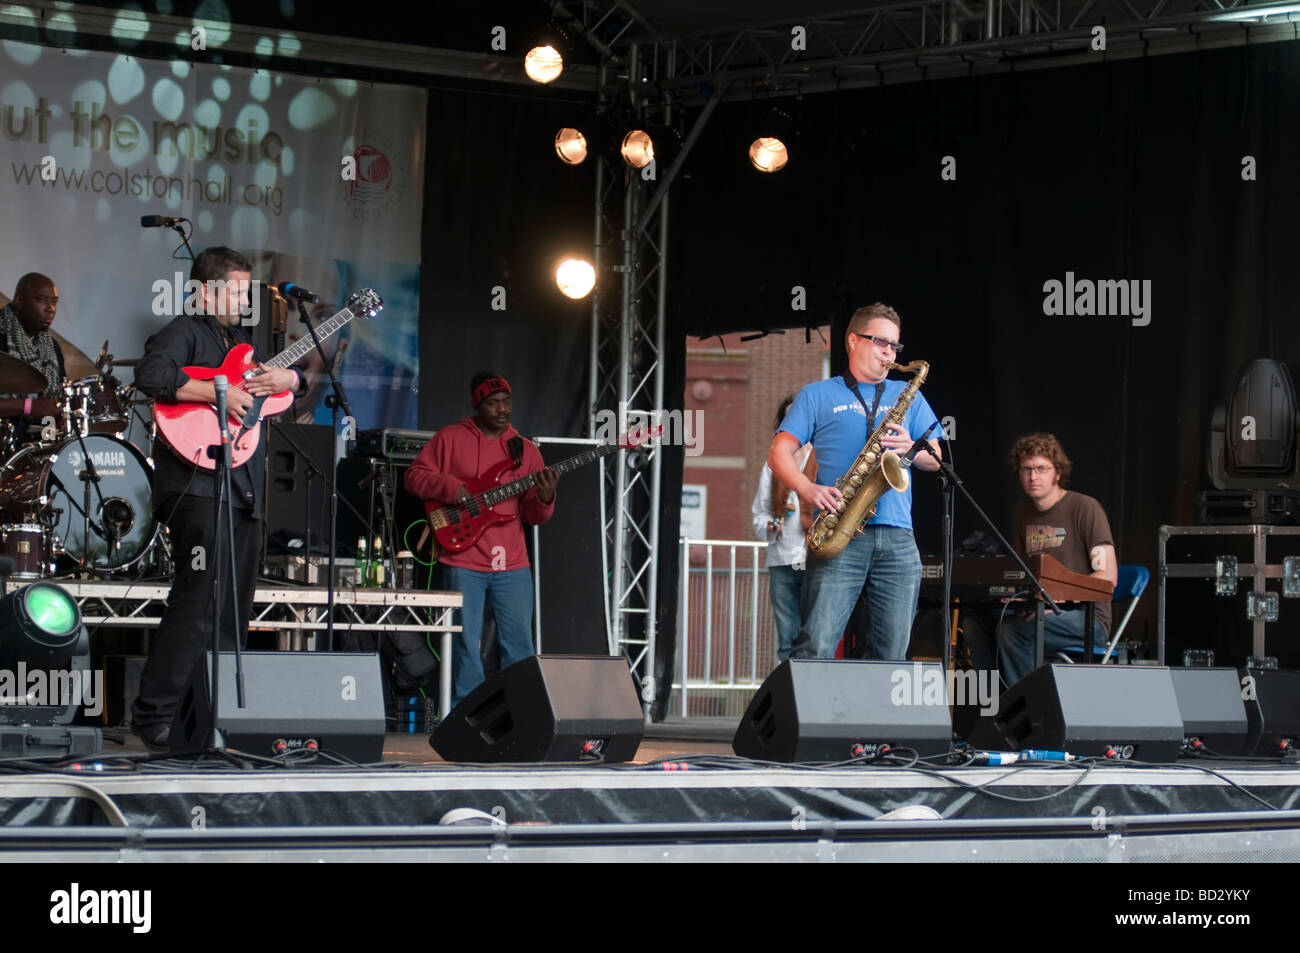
[190, 427]
[457, 526]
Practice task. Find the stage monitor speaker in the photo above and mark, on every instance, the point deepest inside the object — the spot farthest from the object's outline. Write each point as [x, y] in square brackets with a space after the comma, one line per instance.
[822, 710]
[1272, 699]
[288, 478]
[1088, 710]
[547, 708]
[333, 698]
[1211, 706]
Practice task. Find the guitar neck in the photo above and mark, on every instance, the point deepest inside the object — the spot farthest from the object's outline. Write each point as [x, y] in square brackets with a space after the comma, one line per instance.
[506, 490]
[301, 347]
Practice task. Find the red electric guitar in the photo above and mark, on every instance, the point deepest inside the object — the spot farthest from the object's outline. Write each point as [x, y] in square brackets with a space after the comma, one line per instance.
[457, 526]
[190, 428]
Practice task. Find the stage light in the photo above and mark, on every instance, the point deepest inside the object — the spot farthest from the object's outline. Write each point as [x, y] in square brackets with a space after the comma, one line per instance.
[543, 64]
[638, 149]
[575, 277]
[570, 146]
[44, 663]
[768, 154]
[39, 624]
[775, 128]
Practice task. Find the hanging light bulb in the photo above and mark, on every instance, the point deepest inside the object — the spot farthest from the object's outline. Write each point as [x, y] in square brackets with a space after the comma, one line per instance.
[638, 149]
[543, 64]
[575, 277]
[570, 146]
[768, 154]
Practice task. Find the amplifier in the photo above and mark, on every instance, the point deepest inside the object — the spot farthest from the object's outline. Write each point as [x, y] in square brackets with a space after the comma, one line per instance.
[1269, 507]
[391, 443]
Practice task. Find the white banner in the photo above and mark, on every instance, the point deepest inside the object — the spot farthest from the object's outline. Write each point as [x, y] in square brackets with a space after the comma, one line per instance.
[316, 181]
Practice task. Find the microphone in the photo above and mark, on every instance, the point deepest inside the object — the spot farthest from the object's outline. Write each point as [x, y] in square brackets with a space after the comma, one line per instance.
[290, 290]
[918, 446]
[219, 384]
[159, 221]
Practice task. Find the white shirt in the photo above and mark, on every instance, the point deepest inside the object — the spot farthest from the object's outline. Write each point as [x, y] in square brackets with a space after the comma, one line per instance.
[788, 547]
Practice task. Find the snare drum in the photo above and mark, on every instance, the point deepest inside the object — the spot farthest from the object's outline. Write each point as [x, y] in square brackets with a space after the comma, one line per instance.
[28, 546]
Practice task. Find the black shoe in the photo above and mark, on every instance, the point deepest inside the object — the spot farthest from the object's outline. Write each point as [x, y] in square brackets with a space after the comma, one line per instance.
[155, 737]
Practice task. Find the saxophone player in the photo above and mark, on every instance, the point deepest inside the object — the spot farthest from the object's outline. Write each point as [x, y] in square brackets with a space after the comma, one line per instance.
[838, 416]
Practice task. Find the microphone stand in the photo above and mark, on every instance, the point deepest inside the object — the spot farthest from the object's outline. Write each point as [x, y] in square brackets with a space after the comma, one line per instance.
[223, 501]
[91, 476]
[185, 239]
[946, 469]
[333, 402]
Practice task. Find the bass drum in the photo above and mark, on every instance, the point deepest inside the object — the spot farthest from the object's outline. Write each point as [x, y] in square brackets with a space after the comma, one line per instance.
[43, 483]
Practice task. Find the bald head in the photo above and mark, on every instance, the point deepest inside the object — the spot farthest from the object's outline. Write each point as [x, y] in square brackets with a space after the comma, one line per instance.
[36, 301]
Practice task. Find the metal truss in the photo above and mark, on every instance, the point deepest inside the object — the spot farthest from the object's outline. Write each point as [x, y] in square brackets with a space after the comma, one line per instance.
[140, 606]
[910, 40]
[627, 346]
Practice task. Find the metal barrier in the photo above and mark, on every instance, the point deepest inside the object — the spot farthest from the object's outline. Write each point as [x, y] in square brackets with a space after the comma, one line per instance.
[726, 641]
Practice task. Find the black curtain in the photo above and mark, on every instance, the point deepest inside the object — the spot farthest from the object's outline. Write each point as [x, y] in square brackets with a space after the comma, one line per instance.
[1125, 170]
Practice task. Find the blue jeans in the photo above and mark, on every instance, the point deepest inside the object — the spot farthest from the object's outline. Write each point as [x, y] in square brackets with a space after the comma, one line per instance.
[885, 558]
[784, 585]
[1062, 632]
[511, 597]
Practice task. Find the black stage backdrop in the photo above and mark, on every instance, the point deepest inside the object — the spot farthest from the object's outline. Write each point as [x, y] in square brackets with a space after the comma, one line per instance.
[1127, 170]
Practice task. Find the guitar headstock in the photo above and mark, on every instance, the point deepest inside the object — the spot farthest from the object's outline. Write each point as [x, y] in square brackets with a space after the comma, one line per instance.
[366, 302]
[638, 436]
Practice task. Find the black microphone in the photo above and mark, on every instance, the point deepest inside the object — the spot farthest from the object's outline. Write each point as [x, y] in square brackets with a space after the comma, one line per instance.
[158, 221]
[219, 385]
[918, 446]
[290, 290]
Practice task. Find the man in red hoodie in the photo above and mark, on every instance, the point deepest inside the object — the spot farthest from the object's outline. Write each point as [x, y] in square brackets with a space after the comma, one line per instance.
[495, 569]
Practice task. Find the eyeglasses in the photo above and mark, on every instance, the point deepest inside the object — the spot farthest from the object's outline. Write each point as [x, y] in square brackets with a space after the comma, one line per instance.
[1038, 471]
[883, 342]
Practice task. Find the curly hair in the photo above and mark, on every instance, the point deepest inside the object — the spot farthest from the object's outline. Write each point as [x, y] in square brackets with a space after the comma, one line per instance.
[1041, 445]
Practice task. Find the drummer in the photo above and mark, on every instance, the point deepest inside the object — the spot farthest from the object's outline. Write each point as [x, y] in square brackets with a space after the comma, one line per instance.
[25, 334]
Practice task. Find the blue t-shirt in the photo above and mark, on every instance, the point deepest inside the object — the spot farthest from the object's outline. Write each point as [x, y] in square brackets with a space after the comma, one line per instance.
[828, 415]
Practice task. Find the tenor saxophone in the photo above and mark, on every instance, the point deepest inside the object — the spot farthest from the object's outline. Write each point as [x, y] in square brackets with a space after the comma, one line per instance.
[872, 474]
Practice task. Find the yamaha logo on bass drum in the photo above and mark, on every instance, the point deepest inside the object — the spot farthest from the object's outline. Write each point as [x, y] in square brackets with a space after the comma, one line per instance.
[107, 462]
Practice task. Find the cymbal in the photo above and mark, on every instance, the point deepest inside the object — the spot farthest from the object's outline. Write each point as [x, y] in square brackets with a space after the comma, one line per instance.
[75, 362]
[19, 377]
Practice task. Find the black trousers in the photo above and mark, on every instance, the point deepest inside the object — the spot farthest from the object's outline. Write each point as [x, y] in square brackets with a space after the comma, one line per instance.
[185, 632]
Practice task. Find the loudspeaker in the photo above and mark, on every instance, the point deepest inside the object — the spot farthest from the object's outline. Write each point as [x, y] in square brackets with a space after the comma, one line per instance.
[1272, 699]
[333, 698]
[820, 710]
[1086, 710]
[1211, 706]
[547, 708]
[288, 505]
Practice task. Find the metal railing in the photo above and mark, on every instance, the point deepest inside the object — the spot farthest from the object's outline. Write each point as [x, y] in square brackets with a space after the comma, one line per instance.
[727, 635]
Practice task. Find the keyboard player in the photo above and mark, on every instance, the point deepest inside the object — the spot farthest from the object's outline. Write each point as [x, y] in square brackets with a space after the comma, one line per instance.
[1070, 526]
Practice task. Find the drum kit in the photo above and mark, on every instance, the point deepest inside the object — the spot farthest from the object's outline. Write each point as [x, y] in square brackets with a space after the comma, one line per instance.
[75, 495]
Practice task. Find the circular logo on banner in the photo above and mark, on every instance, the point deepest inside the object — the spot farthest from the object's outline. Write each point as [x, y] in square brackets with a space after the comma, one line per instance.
[381, 177]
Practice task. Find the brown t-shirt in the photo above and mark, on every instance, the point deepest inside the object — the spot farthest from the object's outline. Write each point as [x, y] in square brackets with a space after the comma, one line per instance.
[1068, 531]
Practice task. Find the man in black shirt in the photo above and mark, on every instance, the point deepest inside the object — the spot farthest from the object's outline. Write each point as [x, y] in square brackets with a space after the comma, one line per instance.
[183, 495]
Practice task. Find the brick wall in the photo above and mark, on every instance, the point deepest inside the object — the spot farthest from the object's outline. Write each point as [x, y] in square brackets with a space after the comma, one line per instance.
[737, 386]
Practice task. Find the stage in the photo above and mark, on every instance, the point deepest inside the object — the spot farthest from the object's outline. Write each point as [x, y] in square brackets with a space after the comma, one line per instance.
[681, 799]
